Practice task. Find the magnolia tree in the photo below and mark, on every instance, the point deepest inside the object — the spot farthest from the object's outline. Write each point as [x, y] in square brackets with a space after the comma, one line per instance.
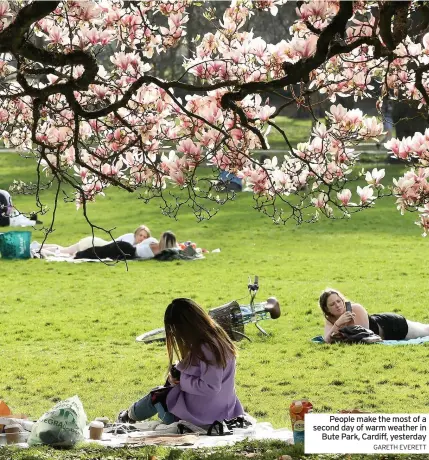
[91, 126]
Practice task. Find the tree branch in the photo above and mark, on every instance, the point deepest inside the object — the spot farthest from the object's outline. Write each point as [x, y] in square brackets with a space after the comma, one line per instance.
[399, 9]
[12, 37]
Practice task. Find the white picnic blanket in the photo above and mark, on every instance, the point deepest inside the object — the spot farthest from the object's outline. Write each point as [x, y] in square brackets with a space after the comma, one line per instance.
[258, 431]
[72, 260]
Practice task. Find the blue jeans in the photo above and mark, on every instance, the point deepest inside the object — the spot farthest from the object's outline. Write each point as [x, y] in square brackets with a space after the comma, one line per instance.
[144, 409]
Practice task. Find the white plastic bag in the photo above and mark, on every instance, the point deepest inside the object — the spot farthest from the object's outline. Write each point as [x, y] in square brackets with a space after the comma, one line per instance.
[62, 426]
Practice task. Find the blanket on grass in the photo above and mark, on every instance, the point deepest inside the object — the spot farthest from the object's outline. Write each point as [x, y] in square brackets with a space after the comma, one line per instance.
[166, 255]
[319, 339]
[258, 431]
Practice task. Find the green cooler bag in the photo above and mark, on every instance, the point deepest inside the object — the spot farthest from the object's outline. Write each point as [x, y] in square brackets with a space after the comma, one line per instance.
[15, 245]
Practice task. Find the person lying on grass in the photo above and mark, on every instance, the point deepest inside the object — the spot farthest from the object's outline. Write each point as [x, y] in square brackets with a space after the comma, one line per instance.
[167, 240]
[200, 389]
[140, 235]
[389, 326]
[120, 249]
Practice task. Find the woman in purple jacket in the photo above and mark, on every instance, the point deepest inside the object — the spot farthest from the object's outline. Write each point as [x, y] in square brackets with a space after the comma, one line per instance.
[201, 386]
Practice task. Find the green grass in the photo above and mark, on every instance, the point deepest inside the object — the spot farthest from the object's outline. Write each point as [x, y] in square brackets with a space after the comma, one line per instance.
[299, 129]
[296, 129]
[69, 328]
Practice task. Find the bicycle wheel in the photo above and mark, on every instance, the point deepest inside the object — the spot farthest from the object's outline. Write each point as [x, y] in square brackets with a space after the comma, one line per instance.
[155, 335]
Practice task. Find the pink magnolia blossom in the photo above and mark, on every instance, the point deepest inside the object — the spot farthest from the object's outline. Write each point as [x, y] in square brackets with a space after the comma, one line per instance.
[320, 201]
[268, 4]
[344, 196]
[374, 177]
[400, 149]
[354, 116]
[426, 41]
[423, 221]
[123, 60]
[100, 91]
[55, 34]
[4, 8]
[127, 140]
[60, 135]
[366, 194]
[304, 47]
[4, 115]
[265, 112]
[189, 148]
[371, 127]
[338, 113]
[256, 179]
[88, 10]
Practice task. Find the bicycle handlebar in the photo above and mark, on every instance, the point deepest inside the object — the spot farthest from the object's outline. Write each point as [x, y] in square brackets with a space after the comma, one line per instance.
[253, 287]
[273, 307]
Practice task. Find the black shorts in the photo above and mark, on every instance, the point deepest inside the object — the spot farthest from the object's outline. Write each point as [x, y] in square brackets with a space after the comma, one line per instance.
[394, 327]
[117, 250]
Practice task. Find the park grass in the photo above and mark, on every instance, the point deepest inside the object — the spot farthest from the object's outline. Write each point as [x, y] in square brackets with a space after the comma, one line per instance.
[296, 129]
[70, 328]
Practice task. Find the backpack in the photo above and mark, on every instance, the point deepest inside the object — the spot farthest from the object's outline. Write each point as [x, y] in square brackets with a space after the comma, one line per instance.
[355, 334]
[169, 254]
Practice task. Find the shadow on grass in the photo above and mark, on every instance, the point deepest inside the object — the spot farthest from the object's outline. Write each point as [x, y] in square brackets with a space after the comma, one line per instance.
[258, 450]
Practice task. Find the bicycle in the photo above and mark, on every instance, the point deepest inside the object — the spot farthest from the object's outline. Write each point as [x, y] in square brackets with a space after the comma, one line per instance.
[232, 316]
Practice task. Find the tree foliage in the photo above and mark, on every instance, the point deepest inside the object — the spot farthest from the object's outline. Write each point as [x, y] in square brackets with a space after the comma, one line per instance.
[95, 120]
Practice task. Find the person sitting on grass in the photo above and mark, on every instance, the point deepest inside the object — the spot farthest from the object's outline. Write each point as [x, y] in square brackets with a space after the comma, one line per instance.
[11, 217]
[141, 234]
[389, 326]
[200, 388]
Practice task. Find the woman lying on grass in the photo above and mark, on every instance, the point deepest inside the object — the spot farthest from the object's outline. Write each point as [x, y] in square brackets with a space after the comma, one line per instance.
[201, 388]
[120, 249]
[167, 240]
[140, 235]
[389, 326]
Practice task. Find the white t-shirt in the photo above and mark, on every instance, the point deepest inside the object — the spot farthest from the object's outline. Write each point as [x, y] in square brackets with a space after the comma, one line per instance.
[143, 250]
[128, 238]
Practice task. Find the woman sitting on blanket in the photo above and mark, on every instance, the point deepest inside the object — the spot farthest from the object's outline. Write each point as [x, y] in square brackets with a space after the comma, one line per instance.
[140, 235]
[389, 326]
[120, 249]
[201, 387]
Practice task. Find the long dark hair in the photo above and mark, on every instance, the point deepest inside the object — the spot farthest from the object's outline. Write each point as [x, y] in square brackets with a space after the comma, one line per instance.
[323, 302]
[168, 240]
[188, 327]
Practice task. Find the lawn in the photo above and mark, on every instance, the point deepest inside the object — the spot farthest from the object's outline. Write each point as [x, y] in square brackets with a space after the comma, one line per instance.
[70, 328]
[296, 129]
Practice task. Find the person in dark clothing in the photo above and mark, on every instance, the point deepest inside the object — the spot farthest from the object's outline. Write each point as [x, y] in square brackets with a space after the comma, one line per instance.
[10, 217]
[5, 206]
[117, 250]
[389, 326]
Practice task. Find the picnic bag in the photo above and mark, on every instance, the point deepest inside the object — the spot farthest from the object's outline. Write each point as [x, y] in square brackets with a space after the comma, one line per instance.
[355, 334]
[15, 245]
[62, 426]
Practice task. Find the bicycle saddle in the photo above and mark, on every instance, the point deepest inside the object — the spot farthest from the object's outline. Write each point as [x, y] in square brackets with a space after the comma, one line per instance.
[273, 307]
